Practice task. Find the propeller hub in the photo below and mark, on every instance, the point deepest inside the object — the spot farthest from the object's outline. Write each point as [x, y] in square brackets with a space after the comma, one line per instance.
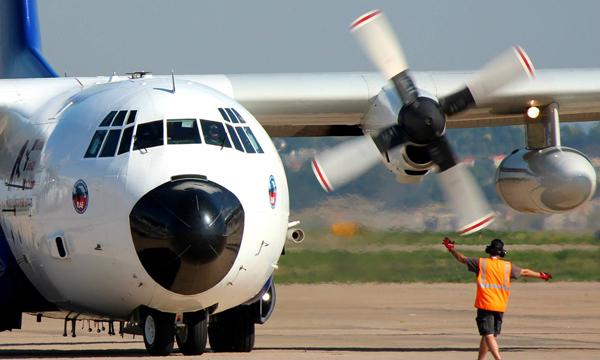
[423, 120]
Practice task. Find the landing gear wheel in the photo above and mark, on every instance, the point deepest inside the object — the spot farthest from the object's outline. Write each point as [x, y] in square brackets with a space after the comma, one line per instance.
[232, 330]
[159, 331]
[191, 339]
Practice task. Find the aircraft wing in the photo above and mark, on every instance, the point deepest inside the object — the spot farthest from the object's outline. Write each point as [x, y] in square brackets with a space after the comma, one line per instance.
[334, 104]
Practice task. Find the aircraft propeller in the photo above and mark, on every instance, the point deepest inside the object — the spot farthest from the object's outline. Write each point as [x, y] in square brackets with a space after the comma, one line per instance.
[421, 121]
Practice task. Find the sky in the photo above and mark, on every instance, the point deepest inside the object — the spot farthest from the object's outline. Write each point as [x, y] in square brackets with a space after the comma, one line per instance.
[88, 38]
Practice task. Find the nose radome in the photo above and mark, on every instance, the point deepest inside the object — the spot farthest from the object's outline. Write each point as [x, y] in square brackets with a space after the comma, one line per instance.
[187, 234]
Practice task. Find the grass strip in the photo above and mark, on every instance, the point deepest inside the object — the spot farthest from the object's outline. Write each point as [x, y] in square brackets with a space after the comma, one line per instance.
[323, 238]
[423, 266]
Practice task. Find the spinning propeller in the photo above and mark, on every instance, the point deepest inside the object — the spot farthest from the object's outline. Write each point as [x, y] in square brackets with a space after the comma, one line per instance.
[421, 121]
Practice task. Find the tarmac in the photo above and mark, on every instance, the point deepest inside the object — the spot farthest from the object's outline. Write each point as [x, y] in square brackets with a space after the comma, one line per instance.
[371, 321]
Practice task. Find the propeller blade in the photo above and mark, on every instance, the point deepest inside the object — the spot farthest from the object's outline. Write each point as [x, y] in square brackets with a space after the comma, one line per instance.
[345, 162]
[377, 39]
[465, 199]
[461, 191]
[510, 66]
[441, 153]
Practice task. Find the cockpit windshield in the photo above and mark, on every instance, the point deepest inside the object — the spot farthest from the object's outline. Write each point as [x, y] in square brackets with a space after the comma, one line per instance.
[115, 133]
[149, 135]
[183, 131]
[214, 133]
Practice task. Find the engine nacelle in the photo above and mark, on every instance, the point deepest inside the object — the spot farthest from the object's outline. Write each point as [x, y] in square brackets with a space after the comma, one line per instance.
[410, 163]
[550, 180]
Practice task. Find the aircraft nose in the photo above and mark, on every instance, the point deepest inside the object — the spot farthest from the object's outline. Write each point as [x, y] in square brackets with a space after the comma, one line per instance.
[187, 234]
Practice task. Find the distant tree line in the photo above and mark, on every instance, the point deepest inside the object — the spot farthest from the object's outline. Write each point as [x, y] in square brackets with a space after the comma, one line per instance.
[380, 185]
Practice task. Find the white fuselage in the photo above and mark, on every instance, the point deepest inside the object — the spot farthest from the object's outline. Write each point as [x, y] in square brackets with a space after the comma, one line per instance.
[44, 147]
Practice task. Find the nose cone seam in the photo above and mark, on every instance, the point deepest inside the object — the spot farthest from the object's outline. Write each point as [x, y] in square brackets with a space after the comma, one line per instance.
[187, 234]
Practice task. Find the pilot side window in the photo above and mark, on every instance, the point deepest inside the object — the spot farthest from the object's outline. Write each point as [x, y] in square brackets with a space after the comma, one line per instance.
[183, 131]
[131, 117]
[239, 116]
[149, 135]
[224, 114]
[253, 140]
[232, 116]
[95, 144]
[110, 145]
[108, 119]
[234, 138]
[214, 133]
[247, 144]
[120, 118]
[126, 140]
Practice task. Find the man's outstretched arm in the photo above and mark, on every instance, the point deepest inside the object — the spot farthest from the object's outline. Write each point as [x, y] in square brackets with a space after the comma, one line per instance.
[534, 274]
[449, 244]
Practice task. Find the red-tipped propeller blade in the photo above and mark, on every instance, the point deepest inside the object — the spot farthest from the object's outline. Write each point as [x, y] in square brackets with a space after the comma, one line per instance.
[337, 166]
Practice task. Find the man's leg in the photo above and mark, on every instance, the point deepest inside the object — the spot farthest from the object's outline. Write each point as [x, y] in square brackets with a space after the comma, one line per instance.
[492, 346]
[483, 349]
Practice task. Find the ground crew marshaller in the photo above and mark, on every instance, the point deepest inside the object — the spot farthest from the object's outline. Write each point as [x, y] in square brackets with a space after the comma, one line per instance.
[493, 290]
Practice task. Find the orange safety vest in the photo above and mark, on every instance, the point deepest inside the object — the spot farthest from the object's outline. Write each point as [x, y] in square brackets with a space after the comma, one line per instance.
[493, 284]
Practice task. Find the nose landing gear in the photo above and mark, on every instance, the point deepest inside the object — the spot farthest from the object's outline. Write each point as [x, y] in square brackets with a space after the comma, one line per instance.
[159, 333]
[232, 330]
[191, 337]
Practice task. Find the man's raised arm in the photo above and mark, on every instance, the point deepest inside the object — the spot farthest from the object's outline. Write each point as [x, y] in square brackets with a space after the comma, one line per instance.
[449, 244]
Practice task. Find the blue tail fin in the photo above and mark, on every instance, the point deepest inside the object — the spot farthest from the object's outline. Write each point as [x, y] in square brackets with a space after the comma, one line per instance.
[20, 45]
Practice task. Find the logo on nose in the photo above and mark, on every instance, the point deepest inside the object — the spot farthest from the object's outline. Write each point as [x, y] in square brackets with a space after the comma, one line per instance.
[80, 196]
[272, 191]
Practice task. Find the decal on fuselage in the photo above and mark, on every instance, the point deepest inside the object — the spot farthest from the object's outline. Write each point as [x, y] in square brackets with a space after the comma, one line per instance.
[22, 174]
[272, 191]
[18, 205]
[80, 196]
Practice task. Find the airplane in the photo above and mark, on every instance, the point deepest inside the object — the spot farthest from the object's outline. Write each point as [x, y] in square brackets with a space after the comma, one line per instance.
[159, 203]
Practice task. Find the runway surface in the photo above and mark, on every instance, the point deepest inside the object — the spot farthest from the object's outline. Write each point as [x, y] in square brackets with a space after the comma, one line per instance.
[375, 321]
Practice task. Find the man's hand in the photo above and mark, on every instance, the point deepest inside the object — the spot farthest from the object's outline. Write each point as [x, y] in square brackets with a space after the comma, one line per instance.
[545, 276]
[449, 244]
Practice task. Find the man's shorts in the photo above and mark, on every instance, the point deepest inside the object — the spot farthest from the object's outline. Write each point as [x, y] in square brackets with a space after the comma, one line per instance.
[489, 322]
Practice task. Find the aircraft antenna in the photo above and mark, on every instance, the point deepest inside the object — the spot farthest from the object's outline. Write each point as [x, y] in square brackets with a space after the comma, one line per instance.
[173, 79]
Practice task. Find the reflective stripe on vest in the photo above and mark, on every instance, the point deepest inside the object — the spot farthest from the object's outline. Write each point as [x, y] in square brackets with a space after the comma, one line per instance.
[493, 284]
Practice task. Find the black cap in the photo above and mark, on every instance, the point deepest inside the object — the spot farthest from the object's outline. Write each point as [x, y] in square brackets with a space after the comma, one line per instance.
[496, 248]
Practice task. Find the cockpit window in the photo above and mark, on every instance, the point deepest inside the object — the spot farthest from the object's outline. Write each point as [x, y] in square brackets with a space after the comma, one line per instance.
[253, 140]
[108, 119]
[125, 140]
[232, 116]
[105, 141]
[183, 131]
[110, 145]
[214, 133]
[247, 144]
[236, 141]
[224, 115]
[120, 118]
[131, 117]
[238, 116]
[149, 135]
[95, 144]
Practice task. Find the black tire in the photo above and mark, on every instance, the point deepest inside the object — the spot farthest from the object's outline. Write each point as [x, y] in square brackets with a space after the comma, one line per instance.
[232, 331]
[191, 340]
[159, 333]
